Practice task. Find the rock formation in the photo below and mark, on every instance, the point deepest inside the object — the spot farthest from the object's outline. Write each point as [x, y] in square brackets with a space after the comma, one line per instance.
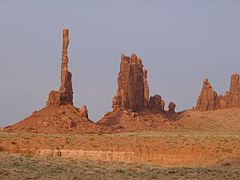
[171, 107]
[83, 111]
[235, 84]
[156, 103]
[133, 91]
[209, 100]
[65, 95]
[146, 88]
[132, 108]
[59, 116]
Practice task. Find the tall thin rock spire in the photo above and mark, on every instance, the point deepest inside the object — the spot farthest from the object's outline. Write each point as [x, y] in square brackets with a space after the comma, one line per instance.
[65, 95]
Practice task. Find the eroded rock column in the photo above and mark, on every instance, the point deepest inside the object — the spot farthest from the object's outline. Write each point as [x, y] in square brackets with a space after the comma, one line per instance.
[66, 76]
[207, 99]
[133, 91]
[65, 95]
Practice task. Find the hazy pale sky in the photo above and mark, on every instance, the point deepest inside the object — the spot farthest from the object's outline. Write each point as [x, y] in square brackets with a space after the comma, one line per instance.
[181, 42]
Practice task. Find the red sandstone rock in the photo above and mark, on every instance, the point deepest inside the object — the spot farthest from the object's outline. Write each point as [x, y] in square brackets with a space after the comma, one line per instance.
[54, 99]
[146, 88]
[235, 84]
[83, 112]
[221, 102]
[156, 103]
[207, 99]
[133, 91]
[65, 95]
[59, 116]
[171, 107]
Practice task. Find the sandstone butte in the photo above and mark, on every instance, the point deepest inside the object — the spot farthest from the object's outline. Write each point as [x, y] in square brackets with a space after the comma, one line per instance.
[133, 109]
[210, 100]
[59, 115]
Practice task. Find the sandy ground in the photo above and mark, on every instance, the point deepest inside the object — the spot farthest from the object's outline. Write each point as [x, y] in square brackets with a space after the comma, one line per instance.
[202, 145]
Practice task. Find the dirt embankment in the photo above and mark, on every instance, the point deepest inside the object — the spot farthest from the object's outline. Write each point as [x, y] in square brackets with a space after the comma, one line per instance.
[187, 149]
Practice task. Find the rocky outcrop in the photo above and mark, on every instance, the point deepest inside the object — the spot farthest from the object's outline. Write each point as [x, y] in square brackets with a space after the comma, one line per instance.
[133, 91]
[235, 84]
[132, 108]
[209, 100]
[60, 115]
[83, 111]
[54, 99]
[156, 102]
[146, 88]
[171, 107]
[65, 95]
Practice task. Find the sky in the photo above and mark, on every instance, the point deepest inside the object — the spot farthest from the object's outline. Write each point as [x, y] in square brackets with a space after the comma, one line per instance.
[181, 42]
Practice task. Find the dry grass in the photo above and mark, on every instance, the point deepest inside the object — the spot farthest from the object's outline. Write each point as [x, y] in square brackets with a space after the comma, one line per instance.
[26, 167]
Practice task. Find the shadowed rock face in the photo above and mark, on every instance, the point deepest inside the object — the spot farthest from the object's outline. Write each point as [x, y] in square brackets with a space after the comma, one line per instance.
[171, 107]
[156, 102]
[65, 95]
[133, 91]
[209, 100]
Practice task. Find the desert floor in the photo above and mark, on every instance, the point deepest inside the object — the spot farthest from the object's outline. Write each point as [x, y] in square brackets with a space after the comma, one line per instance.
[145, 155]
[28, 167]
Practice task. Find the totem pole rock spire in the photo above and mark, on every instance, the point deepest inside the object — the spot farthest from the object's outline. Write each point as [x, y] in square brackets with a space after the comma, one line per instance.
[66, 76]
[65, 43]
[65, 95]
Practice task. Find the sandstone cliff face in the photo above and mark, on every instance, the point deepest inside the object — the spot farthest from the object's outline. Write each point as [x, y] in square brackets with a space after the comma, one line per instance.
[133, 91]
[209, 100]
[65, 95]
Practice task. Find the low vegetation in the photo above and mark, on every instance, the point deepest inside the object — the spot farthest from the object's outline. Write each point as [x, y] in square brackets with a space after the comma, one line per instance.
[27, 167]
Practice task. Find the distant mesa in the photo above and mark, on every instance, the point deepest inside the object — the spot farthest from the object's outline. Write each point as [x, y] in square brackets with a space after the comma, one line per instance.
[59, 115]
[210, 100]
